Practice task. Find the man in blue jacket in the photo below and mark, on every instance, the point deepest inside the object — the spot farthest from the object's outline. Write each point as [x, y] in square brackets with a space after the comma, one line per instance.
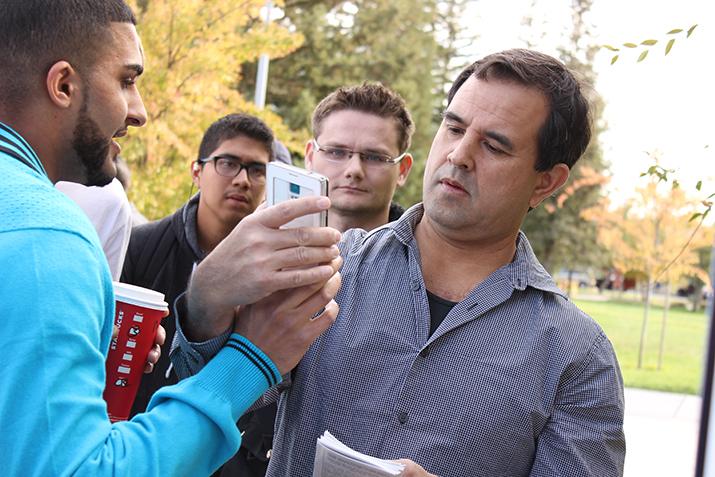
[68, 80]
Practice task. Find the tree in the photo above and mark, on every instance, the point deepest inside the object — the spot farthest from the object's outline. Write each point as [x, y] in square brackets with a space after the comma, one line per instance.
[193, 51]
[558, 230]
[404, 44]
[646, 237]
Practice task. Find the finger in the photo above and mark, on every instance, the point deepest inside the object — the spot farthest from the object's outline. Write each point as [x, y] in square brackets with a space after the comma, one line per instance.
[308, 300]
[115, 332]
[154, 354]
[322, 322]
[148, 368]
[281, 214]
[308, 236]
[160, 335]
[302, 257]
[296, 278]
[261, 206]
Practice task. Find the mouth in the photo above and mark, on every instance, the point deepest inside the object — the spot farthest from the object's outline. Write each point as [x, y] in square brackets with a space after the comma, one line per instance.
[115, 144]
[351, 189]
[452, 185]
[239, 198]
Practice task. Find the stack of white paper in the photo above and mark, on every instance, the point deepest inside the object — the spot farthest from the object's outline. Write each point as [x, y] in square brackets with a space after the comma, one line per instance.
[335, 459]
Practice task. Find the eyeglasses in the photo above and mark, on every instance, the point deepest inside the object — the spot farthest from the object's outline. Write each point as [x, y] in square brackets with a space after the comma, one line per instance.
[231, 166]
[341, 154]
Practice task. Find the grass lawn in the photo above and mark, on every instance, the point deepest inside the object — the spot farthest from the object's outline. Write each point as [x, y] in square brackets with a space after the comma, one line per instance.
[684, 351]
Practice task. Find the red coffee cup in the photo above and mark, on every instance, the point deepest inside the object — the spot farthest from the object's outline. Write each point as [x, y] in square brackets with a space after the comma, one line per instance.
[138, 312]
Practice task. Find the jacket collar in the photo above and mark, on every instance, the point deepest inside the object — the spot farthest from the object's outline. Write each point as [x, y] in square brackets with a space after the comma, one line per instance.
[14, 146]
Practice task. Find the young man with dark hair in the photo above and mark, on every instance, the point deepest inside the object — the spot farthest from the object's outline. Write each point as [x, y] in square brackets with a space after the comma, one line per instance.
[229, 172]
[453, 346]
[68, 80]
[360, 139]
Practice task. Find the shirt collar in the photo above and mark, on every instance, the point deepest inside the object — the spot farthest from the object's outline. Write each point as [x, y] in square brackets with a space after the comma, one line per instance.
[523, 271]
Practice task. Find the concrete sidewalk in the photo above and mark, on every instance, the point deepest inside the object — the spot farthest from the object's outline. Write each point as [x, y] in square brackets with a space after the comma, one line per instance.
[661, 433]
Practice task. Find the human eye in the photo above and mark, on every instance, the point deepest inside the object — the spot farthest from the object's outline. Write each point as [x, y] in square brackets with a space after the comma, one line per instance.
[257, 170]
[453, 129]
[226, 163]
[129, 81]
[375, 157]
[493, 149]
[337, 153]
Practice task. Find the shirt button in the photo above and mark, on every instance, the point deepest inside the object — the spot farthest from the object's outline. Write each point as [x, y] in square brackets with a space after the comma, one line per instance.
[402, 417]
[416, 285]
[425, 352]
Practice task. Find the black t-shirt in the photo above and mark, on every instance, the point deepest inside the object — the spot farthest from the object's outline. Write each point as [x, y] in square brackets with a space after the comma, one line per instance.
[438, 309]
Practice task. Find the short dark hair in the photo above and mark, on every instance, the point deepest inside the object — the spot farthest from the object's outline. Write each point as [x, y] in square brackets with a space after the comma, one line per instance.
[565, 134]
[35, 34]
[372, 98]
[234, 125]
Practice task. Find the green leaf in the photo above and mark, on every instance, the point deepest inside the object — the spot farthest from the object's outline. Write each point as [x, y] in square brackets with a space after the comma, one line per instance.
[699, 185]
[644, 174]
[649, 42]
[690, 30]
[630, 45]
[676, 30]
[676, 185]
[614, 59]
[669, 45]
[612, 48]
[695, 216]
[642, 56]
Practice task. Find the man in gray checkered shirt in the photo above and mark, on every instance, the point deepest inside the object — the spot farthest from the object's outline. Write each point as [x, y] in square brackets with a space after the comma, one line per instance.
[453, 347]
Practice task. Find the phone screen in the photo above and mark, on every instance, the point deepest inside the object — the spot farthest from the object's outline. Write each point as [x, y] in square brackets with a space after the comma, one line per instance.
[284, 190]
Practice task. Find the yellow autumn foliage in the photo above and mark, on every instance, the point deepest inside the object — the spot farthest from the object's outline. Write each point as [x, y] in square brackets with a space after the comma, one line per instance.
[193, 50]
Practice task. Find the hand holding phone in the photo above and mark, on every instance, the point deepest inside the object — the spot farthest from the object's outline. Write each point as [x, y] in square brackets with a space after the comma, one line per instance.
[285, 182]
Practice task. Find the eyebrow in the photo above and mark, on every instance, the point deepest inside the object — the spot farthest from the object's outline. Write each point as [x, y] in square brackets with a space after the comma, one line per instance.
[369, 149]
[246, 162]
[498, 137]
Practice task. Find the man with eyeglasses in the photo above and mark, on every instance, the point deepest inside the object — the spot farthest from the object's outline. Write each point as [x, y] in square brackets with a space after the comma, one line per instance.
[360, 139]
[230, 173]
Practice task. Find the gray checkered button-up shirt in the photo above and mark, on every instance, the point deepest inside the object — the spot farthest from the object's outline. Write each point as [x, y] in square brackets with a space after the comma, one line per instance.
[516, 381]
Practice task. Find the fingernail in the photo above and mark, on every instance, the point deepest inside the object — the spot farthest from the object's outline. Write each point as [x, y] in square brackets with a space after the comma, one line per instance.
[335, 250]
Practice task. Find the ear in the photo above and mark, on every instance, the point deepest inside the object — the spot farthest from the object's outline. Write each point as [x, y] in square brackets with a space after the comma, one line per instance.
[548, 182]
[309, 155]
[405, 168]
[63, 84]
[196, 173]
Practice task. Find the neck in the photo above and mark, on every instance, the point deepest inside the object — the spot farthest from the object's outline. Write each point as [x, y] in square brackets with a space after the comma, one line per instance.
[209, 230]
[469, 262]
[341, 221]
[41, 142]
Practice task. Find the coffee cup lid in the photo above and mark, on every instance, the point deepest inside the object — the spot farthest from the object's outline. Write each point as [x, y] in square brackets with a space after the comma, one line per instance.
[139, 296]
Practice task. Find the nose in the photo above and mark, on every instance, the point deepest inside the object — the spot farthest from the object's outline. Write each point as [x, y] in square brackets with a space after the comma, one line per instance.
[242, 177]
[354, 167]
[461, 155]
[136, 113]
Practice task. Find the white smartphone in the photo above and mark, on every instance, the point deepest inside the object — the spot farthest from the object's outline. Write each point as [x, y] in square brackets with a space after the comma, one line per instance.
[284, 182]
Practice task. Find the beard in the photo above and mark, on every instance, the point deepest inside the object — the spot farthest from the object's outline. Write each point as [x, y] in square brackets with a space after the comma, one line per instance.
[92, 149]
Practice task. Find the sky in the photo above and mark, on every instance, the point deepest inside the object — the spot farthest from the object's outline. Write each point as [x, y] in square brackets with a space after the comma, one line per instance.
[663, 105]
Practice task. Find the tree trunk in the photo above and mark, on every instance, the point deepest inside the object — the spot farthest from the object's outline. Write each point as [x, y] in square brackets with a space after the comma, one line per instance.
[644, 326]
[664, 321]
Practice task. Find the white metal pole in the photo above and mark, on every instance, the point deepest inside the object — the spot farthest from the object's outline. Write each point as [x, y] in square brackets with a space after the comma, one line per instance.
[262, 73]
